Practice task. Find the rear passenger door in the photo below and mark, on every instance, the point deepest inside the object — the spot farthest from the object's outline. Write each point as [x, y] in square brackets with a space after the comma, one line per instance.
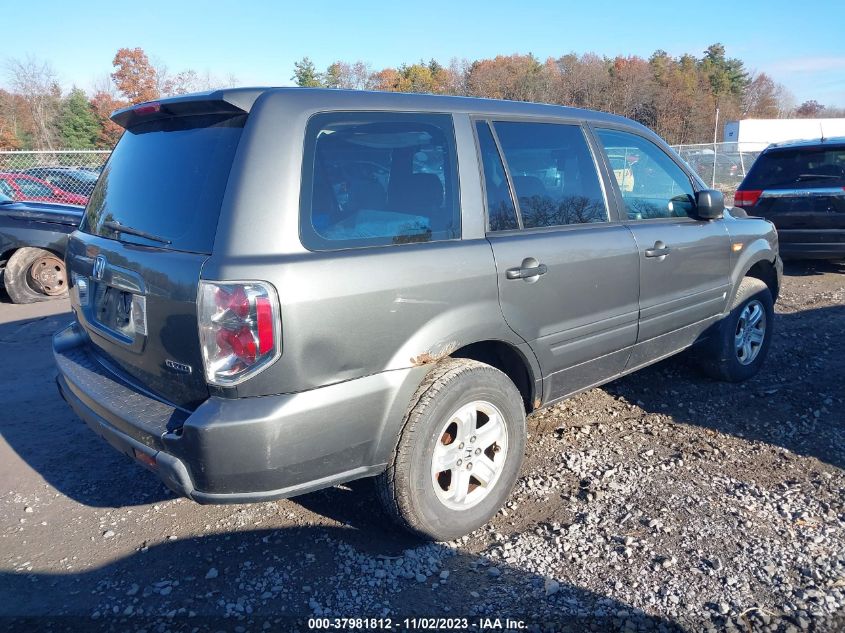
[684, 262]
[567, 269]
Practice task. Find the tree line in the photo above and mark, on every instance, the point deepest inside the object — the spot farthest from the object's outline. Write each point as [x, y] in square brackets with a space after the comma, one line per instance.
[675, 96]
[678, 97]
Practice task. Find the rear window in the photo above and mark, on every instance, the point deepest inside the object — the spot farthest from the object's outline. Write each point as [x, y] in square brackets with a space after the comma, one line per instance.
[805, 166]
[378, 178]
[167, 178]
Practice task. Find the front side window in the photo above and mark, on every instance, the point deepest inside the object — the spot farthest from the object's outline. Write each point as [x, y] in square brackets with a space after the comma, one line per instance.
[553, 173]
[379, 178]
[651, 183]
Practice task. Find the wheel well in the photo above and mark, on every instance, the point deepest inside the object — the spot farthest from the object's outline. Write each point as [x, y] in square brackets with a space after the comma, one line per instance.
[4, 257]
[765, 272]
[506, 359]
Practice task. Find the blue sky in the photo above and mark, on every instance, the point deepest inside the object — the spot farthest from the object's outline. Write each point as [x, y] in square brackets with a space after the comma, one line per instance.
[800, 44]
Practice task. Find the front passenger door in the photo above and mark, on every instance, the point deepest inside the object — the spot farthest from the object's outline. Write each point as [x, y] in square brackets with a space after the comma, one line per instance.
[684, 262]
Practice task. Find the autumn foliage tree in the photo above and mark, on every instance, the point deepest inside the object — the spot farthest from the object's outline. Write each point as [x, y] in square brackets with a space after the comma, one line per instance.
[103, 104]
[134, 75]
[11, 115]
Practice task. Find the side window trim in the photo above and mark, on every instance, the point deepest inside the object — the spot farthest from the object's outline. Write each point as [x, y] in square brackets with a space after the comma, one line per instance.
[474, 121]
[621, 205]
[598, 163]
[610, 188]
[508, 177]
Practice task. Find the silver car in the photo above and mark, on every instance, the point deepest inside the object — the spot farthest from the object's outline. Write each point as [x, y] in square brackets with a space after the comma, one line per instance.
[279, 290]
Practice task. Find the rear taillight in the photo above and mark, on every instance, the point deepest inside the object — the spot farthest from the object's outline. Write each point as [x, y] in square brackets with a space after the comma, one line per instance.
[746, 199]
[240, 330]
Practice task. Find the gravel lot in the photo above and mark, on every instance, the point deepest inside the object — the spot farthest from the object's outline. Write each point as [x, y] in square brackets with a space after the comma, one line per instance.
[663, 501]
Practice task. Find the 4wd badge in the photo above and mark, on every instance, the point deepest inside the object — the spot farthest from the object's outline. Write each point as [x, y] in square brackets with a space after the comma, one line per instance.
[182, 368]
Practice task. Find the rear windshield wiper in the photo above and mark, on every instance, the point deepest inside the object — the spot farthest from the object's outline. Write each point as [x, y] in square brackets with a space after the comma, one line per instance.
[121, 228]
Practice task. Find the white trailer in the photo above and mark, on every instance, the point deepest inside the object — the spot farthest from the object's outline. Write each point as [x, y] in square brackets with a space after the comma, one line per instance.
[754, 135]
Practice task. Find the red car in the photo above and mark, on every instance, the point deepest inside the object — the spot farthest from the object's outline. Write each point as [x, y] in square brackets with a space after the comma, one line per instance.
[23, 187]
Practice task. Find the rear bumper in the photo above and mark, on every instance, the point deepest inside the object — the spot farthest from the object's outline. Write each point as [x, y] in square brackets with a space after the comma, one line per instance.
[812, 244]
[794, 250]
[240, 450]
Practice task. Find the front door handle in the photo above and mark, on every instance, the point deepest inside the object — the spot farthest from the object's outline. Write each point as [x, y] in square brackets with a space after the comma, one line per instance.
[530, 270]
[658, 250]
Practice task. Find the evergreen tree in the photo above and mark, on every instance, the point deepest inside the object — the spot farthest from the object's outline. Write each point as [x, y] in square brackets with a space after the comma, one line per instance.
[77, 123]
[305, 74]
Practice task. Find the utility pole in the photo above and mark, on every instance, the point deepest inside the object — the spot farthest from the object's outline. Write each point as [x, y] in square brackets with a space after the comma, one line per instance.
[715, 139]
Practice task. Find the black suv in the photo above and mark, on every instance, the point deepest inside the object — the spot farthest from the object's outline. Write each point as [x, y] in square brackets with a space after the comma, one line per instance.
[800, 187]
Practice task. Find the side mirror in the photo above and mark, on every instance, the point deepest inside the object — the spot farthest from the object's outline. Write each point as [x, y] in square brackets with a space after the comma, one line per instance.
[709, 204]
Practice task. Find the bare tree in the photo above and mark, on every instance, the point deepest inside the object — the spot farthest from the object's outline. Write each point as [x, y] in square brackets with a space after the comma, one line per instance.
[162, 75]
[786, 101]
[762, 98]
[355, 76]
[188, 81]
[36, 82]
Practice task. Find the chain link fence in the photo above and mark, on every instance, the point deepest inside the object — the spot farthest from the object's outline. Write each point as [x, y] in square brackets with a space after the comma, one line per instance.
[61, 176]
[68, 176]
[720, 165]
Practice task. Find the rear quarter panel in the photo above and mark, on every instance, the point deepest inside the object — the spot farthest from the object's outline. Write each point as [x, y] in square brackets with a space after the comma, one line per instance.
[349, 313]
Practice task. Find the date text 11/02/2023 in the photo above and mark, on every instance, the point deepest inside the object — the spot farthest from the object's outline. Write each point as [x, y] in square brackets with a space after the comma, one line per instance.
[417, 624]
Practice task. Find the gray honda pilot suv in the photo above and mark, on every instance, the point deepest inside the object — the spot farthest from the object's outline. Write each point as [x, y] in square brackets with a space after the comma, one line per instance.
[279, 290]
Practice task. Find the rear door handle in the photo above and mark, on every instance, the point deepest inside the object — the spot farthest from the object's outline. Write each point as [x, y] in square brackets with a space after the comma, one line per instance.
[658, 250]
[526, 272]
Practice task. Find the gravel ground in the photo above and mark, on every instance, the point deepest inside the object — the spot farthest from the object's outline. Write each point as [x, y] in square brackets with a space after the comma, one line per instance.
[663, 501]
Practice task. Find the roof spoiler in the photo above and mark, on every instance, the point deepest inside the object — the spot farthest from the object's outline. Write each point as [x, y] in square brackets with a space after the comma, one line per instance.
[234, 101]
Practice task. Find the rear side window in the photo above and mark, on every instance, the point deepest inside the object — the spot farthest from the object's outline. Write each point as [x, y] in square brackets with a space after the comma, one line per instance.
[379, 178]
[786, 168]
[167, 178]
[553, 173]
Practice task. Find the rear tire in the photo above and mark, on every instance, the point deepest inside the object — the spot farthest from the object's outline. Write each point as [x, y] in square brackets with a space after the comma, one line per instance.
[33, 274]
[459, 452]
[739, 346]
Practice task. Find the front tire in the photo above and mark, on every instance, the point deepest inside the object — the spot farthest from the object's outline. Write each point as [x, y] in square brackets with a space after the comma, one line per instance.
[459, 452]
[741, 341]
[33, 274]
